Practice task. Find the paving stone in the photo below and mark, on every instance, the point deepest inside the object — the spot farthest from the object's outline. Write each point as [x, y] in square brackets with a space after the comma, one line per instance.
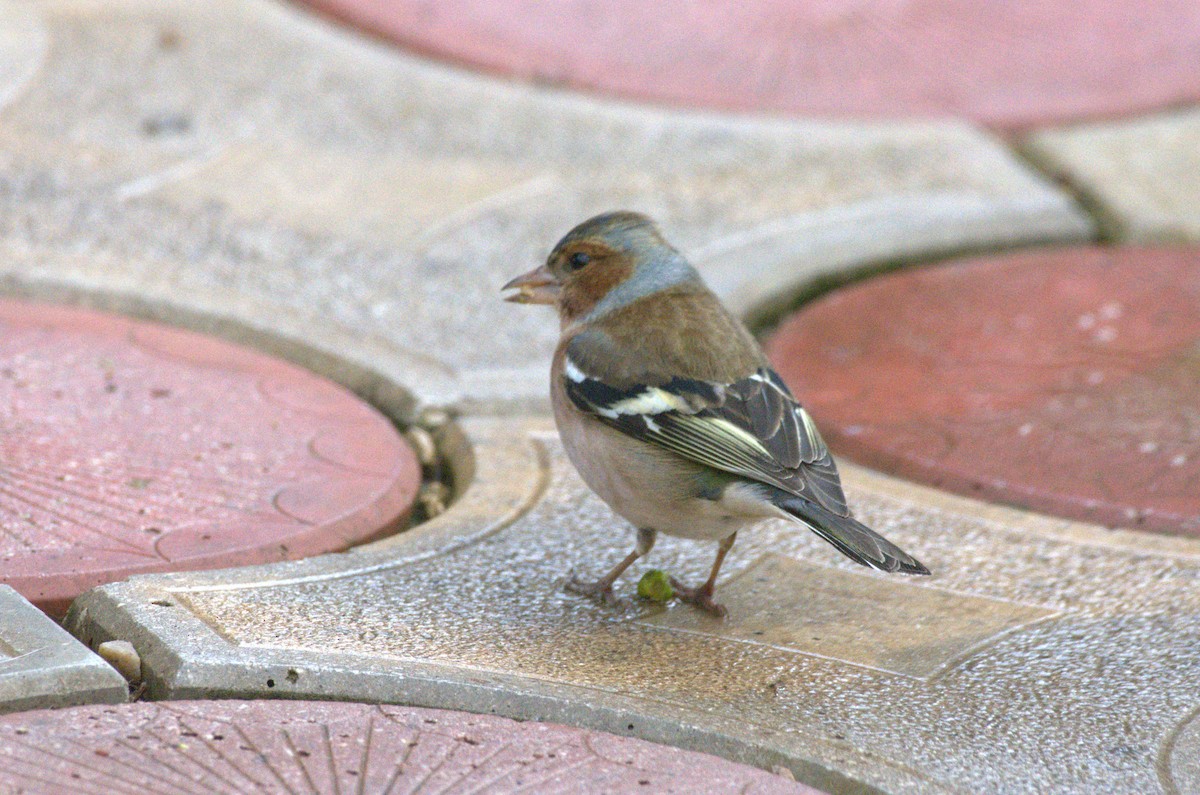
[1182, 757]
[247, 168]
[42, 666]
[133, 447]
[1069, 387]
[1078, 674]
[1139, 174]
[1034, 63]
[306, 746]
[22, 49]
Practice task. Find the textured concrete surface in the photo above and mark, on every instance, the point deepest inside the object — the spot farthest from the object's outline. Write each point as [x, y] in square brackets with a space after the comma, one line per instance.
[245, 168]
[134, 447]
[315, 747]
[1139, 174]
[1034, 63]
[1062, 380]
[242, 168]
[1078, 674]
[42, 666]
[1181, 757]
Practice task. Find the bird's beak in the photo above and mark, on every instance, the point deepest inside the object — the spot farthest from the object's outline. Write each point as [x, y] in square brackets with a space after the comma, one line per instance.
[536, 287]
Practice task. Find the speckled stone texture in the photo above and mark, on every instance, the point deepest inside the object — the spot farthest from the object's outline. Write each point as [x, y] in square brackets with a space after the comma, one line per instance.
[1066, 381]
[42, 666]
[132, 447]
[246, 167]
[1139, 174]
[1032, 63]
[1182, 757]
[315, 747]
[1078, 674]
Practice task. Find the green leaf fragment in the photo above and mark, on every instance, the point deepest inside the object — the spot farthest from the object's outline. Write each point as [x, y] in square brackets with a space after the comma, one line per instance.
[655, 586]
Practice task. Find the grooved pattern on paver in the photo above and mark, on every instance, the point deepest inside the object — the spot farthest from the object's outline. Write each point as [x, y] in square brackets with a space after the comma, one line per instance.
[130, 447]
[320, 747]
[1031, 62]
[1066, 381]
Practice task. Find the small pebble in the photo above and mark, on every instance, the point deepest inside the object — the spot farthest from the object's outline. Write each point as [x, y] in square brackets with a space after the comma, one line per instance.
[422, 444]
[433, 498]
[432, 419]
[121, 655]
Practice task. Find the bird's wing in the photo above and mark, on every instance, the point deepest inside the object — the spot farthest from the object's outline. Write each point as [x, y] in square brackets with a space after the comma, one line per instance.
[752, 427]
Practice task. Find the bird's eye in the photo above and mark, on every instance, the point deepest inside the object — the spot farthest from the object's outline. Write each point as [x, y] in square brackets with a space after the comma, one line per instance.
[578, 260]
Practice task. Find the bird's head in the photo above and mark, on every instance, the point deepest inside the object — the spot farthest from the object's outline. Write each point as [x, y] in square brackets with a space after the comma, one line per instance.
[603, 264]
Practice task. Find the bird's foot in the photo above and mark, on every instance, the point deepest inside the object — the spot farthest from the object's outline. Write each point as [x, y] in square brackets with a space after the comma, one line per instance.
[701, 597]
[599, 590]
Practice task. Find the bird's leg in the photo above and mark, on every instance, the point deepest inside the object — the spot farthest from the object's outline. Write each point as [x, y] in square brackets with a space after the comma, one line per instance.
[702, 597]
[602, 588]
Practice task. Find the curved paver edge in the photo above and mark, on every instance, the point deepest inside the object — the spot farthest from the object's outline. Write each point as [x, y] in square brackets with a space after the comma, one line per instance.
[395, 381]
[41, 665]
[820, 240]
[374, 367]
[186, 657]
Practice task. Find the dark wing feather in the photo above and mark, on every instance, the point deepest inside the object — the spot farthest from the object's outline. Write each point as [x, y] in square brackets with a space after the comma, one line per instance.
[752, 427]
[852, 538]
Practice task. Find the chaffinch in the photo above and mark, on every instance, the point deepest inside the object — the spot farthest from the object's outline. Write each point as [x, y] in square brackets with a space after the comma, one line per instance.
[669, 410]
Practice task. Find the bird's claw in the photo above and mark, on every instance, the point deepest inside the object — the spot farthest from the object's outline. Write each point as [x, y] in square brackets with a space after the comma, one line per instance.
[599, 590]
[701, 597]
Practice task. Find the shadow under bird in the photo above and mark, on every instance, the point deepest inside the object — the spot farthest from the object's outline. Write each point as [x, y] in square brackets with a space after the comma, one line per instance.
[669, 410]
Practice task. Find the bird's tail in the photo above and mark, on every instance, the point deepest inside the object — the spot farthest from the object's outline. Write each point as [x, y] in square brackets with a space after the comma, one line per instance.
[853, 539]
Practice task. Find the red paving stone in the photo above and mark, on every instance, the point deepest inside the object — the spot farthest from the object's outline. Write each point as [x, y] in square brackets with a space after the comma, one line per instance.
[327, 747]
[129, 447]
[1012, 65]
[1066, 381]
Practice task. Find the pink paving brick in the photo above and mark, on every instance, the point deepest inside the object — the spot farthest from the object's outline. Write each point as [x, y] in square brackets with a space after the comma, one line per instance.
[328, 747]
[1017, 64]
[129, 447]
[1067, 381]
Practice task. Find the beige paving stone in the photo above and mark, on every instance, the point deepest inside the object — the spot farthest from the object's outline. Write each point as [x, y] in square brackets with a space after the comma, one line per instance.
[244, 161]
[22, 48]
[42, 666]
[1042, 655]
[1140, 174]
[842, 615]
[388, 198]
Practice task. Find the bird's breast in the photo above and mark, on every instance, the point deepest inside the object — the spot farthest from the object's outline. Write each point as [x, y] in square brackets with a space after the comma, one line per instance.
[648, 486]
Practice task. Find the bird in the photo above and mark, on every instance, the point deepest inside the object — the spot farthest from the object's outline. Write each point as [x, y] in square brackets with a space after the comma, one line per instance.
[669, 410]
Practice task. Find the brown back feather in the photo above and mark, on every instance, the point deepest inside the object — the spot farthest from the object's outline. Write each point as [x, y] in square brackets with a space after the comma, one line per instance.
[682, 331]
